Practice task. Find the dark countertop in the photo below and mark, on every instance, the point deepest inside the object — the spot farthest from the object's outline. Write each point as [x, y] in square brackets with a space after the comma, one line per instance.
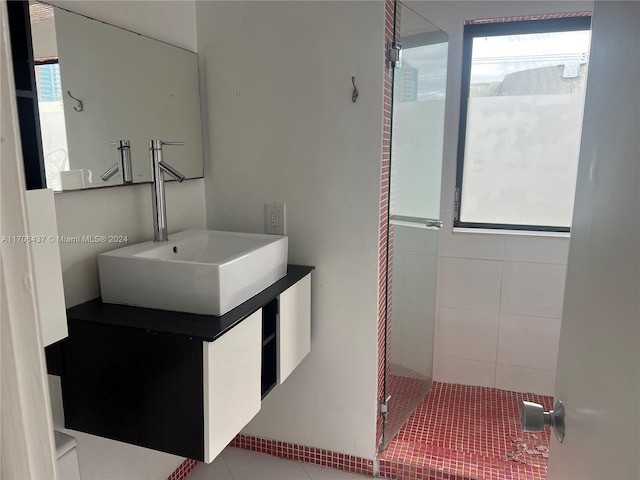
[199, 327]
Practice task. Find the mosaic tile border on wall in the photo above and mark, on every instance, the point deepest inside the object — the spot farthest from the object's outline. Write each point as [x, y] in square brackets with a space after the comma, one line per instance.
[318, 456]
[385, 255]
[525, 18]
[183, 469]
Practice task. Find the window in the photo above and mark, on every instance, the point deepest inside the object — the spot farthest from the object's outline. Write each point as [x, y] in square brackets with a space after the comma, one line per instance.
[48, 81]
[52, 122]
[521, 116]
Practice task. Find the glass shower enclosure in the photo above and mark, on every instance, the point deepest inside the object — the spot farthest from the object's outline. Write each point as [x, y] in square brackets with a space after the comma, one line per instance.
[417, 132]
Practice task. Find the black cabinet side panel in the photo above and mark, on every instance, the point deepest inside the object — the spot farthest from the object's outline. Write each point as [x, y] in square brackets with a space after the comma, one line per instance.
[21, 49]
[27, 97]
[134, 386]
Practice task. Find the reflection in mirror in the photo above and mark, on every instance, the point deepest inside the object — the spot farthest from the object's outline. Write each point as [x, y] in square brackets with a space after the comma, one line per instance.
[418, 133]
[100, 86]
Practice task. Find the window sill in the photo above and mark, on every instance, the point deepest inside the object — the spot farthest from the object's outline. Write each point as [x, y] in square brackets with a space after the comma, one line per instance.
[520, 233]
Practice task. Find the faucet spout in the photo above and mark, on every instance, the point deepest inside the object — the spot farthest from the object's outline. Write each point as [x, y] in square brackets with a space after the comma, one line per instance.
[158, 201]
[165, 167]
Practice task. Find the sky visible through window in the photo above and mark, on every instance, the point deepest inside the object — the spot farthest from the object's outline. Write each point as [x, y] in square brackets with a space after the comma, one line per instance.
[430, 61]
[496, 56]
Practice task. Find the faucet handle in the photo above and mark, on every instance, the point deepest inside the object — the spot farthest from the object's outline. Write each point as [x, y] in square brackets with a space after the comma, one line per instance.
[173, 143]
[121, 144]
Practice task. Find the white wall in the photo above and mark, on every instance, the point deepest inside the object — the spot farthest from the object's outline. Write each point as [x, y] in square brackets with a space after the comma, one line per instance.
[599, 361]
[43, 35]
[172, 21]
[122, 211]
[282, 127]
[499, 296]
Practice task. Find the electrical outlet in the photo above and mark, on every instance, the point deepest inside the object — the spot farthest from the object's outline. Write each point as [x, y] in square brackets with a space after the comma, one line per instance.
[274, 218]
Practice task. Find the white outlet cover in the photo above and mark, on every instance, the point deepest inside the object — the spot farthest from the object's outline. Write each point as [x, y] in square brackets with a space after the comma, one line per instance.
[275, 218]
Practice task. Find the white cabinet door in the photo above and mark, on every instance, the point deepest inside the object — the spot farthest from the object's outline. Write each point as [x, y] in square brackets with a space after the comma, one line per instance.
[41, 217]
[294, 327]
[232, 397]
[599, 363]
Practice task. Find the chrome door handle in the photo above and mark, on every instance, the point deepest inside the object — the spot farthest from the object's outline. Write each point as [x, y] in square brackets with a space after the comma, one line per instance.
[427, 222]
[533, 418]
[433, 223]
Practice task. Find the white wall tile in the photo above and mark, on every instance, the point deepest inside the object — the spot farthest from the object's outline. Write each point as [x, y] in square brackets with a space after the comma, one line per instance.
[474, 245]
[396, 326]
[533, 289]
[536, 249]
[412, 337]
[468, 283]
[415, 239]
[415, 349]
[465, 372]
[468, 334]
[470, 245]
[529, 341]
[414, 277]
[520, 379]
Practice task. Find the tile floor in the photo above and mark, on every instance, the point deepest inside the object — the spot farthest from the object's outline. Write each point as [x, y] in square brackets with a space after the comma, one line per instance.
[238, 464]
[468, 432]
[457, 432]
[406, 389]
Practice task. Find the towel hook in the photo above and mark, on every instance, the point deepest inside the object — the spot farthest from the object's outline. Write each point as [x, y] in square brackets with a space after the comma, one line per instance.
[80, 105]
[354, 95]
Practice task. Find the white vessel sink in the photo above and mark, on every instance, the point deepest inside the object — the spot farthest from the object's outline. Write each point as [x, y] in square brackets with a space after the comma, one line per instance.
[197, 271]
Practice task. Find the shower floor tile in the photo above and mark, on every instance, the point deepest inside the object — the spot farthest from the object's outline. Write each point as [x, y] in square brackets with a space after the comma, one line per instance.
[463, 432]
[406, 388]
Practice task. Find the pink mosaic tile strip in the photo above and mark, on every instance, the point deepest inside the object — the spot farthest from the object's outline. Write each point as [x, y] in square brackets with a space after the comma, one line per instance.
[183, 470]
[40, 12]
[290, 451]
[385, 261]
[522, 18]
[462, 432]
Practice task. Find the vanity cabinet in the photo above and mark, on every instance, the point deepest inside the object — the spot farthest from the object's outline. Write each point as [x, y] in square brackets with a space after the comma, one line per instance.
[293, 335]
[232, 383]
[180, 383]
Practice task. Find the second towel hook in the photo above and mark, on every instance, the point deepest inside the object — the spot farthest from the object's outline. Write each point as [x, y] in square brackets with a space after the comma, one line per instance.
[80, 105]
[354, 95]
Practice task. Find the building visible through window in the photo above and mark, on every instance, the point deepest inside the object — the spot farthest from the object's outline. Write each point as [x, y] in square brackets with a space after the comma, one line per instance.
[52, 121]
[521, 119]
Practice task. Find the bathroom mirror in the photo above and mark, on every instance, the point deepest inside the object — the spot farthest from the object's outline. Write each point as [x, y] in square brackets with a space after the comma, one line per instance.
[99, 84]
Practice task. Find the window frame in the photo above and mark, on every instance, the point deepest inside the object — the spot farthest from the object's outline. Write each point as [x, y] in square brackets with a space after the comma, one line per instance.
[492, 30]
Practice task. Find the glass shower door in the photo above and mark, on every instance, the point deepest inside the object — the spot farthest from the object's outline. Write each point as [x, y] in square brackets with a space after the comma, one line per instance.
[419, 86]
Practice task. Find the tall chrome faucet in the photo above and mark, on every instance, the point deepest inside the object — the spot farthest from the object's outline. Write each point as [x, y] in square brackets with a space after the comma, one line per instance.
[158, 202]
